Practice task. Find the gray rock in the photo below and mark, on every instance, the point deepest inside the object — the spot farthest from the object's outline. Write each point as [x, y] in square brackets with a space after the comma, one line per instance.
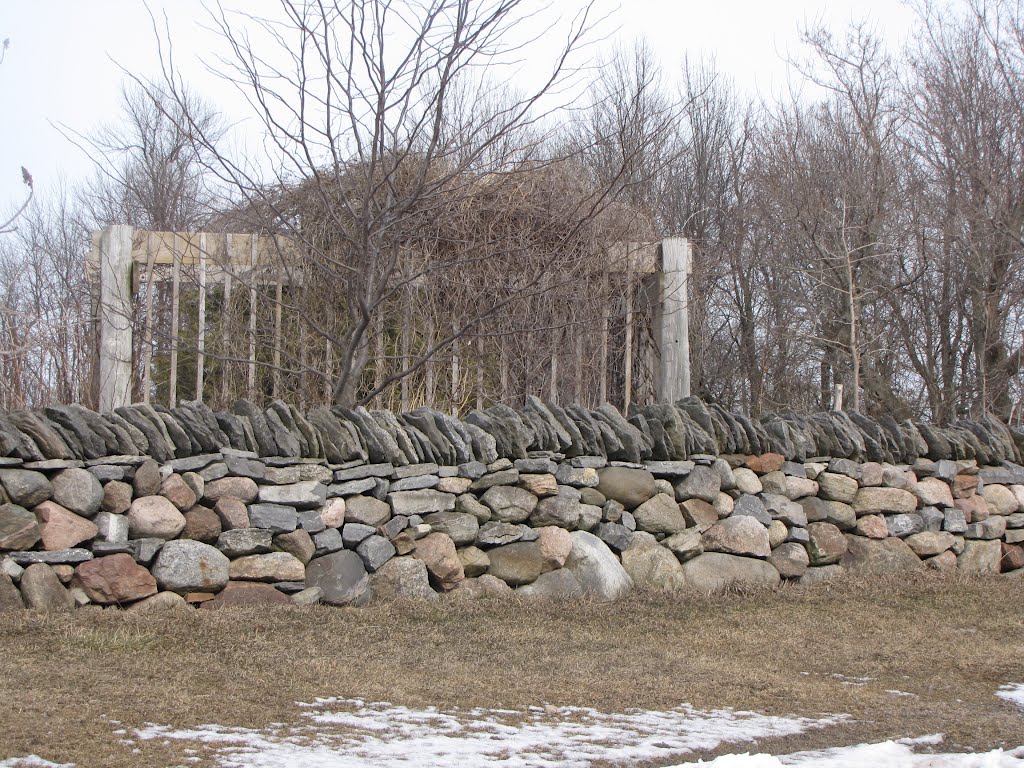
[394, 526]
[19, 528]
[826, 544]
[790, 560]
[367, 510]
[954, 521]
[933, 518]
[516, 564]
[239, 542]
[660, 514]
[717, 571]
[420, 502]
[352, 487]
[599, 572]
[577, 477]
[311, 522]
[616, 536]
[462, 528]
[10, 597]
[738, 536]
[559, 584]
[54, 557]
[902, 526]
[416, 483]
[145, 549]
[652, 566]
[558, 511]
[42, 590]
[509, 504]
[590, 516]
[274, 517]
[375, 551]
[307, 597]
[341, 576]
[308, 494]
[703, 483]
[752, 506]
[352, 534]
[978, 558]
[878, 556]
[990, 528]
[77, 490]
[496, 533]
[685, 545]
[469, 504]
[402, 578]
[825, 573]
[190, 566]
[328, 541]
[26, 488]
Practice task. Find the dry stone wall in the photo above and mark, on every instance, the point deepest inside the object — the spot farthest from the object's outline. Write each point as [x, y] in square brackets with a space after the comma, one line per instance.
[148, 507]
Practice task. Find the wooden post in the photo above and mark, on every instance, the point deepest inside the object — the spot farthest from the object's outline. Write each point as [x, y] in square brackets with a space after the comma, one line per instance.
[456, 395]
[406, 341]
[278, 308]
[674, 327]
[201, 325]
[605, 298]
[115, 317]
[429, 365]
[252, 316]
[553, 384]
[578, 396]
[503, 366]
[837, 397]
[147, 347]
[225, 334]
[176, 255]
[480, 373]
[378, 355]
[627, 362]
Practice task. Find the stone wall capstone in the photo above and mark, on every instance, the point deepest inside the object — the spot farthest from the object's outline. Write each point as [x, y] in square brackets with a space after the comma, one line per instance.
[151, 507]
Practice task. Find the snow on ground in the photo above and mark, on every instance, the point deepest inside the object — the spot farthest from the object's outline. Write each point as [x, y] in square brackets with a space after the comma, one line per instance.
[1013, 693]
[887, 754]
[350, 733]
[32, 761]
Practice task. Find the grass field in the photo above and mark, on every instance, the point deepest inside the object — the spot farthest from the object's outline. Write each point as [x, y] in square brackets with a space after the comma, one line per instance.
[901, 658]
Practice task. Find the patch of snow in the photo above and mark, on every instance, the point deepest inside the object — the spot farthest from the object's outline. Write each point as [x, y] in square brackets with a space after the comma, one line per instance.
[1013, 693]
[900, 693]
[887, 754]
[351, 733]
[32, 761]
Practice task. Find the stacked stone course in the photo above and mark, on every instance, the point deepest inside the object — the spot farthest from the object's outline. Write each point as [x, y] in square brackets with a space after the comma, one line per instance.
[150, 507]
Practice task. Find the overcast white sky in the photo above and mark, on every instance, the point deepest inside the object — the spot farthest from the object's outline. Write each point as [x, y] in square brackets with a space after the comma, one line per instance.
[63, 64]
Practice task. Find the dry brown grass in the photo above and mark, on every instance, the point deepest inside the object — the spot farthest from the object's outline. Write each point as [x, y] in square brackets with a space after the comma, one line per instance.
[952, 643]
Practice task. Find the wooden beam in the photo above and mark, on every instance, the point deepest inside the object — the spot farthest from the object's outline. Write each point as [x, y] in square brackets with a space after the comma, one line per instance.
[201, 320]
[147, 347]
[225, 328]
[252, 319]
[175, 291]
[674, 322]
[115, 317]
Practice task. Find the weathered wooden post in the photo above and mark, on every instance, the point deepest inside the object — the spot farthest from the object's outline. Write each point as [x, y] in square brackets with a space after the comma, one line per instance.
[115, 317]
[674, 325]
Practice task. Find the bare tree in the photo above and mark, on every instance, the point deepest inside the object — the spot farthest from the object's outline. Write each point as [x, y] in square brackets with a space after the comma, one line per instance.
[385, 127]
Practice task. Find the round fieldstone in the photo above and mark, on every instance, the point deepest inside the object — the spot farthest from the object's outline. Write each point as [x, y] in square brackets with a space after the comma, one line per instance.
[240, 594]
[154, 517]
[790, 560]
[19, 528]
[242, 488]
[461, 527]
[651, 566]
[190, 566]
[738, 536]
[629, 487]
[114, 579]
[42, 590]
[561, 511]
[147, 478]
[826, 544]
[117, 497]
[402, 578]
[77, 490]
[59, 528]
[342, 577]
[516, 564]
[201, 524]
[438, 553]
[660, 514]
[26, 488]
[178, 492]
[273, 566]
[509, 504]
[366, 510]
